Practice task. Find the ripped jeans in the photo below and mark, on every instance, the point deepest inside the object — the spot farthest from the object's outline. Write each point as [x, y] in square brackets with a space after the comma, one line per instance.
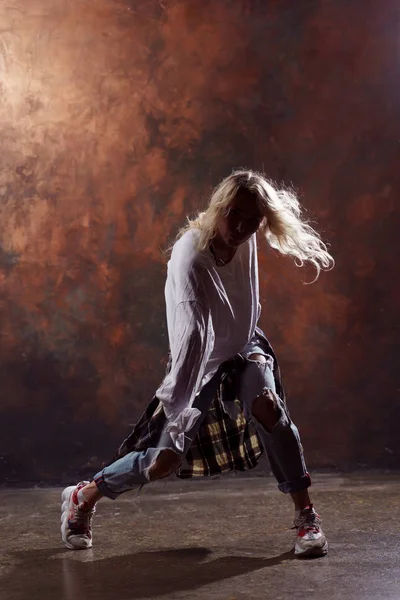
[282, 444]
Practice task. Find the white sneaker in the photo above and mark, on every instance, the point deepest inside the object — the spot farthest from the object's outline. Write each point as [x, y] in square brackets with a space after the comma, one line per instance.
[76, 519]
[310, 541]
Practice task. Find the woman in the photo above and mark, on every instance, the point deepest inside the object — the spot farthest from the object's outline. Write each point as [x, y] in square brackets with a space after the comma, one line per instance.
[220, 359]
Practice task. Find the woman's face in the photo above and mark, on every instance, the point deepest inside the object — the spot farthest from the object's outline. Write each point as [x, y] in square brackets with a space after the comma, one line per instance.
[241, 219]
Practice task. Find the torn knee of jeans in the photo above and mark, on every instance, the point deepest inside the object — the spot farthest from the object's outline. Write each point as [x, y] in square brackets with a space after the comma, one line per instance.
[165, 463]
[266, 408]
[262, 359]
[258, 361]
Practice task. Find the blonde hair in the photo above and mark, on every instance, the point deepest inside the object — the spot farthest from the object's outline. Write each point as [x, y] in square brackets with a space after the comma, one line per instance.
[283, 225]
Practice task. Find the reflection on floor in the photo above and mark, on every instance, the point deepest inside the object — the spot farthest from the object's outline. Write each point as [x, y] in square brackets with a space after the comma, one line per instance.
[219, 539]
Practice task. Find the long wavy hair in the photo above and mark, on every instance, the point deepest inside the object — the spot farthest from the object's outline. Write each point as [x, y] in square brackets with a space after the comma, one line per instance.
[283, 225]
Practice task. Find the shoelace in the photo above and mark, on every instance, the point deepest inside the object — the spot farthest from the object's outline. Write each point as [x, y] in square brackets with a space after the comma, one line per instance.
[309, 520]
[83, 518]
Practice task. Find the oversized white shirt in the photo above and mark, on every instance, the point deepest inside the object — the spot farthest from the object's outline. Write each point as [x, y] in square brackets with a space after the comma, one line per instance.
[212, 312]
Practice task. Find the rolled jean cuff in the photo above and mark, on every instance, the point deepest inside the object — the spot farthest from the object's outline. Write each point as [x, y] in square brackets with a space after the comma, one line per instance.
[103, 487]
[295, 485]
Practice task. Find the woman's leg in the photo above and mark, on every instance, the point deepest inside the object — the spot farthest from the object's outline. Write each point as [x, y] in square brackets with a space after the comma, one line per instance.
[278, 433]
[281, 441]
[133, 470]
[127, 473]
[138, 468]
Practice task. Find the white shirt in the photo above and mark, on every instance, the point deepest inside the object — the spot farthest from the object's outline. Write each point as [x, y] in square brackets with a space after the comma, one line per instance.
[212, 312]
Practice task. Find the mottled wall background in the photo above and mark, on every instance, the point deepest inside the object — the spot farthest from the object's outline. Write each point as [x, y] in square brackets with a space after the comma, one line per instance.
[116, 118]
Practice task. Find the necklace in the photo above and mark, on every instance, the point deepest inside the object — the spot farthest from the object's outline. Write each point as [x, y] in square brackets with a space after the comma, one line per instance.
[220, 262]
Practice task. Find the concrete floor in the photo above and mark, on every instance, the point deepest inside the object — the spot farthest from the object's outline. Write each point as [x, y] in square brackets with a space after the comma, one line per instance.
[221, 539]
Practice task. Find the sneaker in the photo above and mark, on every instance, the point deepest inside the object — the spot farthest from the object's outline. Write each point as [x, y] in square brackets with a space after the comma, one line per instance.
[76, 519]
[310, 541]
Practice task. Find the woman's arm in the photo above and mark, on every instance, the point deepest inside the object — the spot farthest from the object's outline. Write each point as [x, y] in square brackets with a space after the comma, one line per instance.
[191, 342]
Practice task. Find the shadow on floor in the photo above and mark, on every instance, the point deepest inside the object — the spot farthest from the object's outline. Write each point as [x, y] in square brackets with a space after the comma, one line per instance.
[43, 574]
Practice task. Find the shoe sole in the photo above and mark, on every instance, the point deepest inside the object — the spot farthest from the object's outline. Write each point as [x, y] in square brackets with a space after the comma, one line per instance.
[65, 501]
[312, 552]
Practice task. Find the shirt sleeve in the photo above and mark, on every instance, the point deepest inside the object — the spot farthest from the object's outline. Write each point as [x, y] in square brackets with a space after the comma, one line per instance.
[191, 338]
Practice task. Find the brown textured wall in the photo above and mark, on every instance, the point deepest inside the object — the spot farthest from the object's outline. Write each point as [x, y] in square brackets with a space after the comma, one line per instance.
[116, 117]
